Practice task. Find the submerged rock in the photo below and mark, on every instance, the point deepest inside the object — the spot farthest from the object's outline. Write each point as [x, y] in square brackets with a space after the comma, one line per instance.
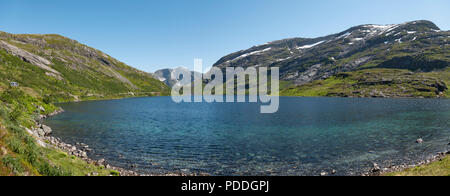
[419, 141]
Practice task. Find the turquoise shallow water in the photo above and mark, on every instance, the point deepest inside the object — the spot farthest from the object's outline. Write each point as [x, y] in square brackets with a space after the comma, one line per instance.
[306, 135]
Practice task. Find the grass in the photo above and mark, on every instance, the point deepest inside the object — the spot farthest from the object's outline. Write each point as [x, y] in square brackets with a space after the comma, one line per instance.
[438, 168]
[75, 166]
[87, 73]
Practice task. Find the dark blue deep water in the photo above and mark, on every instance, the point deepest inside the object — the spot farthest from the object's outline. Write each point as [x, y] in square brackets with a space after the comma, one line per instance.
[306, 136]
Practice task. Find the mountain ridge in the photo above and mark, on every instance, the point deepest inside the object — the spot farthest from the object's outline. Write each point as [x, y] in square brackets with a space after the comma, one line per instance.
[167, 75]
[418, 46]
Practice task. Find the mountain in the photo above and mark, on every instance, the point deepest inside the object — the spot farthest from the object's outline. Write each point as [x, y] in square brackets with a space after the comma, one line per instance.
[62, 69]
[168, 75]
[402, 60]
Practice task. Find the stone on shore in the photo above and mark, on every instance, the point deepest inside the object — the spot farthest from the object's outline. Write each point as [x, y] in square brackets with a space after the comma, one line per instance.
[333, 172]
[47, 130]
[40, 132]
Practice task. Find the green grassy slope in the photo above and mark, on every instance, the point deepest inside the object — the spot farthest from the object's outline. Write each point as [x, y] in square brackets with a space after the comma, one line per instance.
[378, 82]
[86, 73]
[439, 168]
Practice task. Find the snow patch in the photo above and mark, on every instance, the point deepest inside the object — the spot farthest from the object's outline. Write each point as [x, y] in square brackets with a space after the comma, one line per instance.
[250, 54]
[309, 46]
[279, 60]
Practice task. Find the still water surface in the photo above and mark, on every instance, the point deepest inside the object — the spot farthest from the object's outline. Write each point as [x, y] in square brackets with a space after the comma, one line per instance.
[306, 135]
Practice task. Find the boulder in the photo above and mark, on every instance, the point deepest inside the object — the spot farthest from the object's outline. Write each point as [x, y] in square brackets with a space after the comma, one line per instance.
[41, 108]
[47, 130]
[40, 132]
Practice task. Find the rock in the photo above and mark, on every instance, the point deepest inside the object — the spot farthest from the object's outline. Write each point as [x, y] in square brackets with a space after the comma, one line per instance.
[40, 132]
[47, 130]
[73, 148]
[3, 151]
[419, 141]
[41, 108]
[323, 173]
[56, 112]
[376, 168]
[100, 162]
[84, 154]
[29, 57]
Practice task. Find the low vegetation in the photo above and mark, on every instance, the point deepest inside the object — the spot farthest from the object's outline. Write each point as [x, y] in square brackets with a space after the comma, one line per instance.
[439, 168]
[377, 83]
[19, 153]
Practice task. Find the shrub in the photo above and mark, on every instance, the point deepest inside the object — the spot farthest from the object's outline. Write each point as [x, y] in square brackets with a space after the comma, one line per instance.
[12, 163]
[11, 95]
[46, 169]
[115, 173]
[15, 115]
[16, 145]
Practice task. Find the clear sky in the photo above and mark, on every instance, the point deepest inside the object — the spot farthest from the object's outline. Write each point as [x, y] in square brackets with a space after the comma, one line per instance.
[155, 34]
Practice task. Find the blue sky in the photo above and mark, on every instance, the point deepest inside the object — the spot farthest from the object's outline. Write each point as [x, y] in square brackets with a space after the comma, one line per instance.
[155, 34]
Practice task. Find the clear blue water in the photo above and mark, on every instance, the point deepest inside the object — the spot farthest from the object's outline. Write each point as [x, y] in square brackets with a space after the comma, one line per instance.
[306, 136]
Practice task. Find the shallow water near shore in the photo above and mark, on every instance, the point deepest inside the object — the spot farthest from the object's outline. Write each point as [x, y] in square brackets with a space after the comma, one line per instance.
[306, 136]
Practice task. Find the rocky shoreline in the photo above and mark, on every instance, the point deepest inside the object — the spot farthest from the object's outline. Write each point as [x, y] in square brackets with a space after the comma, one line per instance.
[376, 170]
[42, 133]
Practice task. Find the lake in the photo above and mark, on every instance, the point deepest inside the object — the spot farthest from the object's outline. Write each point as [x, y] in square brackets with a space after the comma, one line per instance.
[305, 137]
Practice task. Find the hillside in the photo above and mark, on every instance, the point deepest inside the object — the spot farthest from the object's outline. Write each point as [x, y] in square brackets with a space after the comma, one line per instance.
[372, 55]
[62, 69]
[38, 70]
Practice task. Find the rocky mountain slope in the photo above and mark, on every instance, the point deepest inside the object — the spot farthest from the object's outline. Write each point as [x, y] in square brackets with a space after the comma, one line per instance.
[62, 69]
[168, 76]
[417, 47]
